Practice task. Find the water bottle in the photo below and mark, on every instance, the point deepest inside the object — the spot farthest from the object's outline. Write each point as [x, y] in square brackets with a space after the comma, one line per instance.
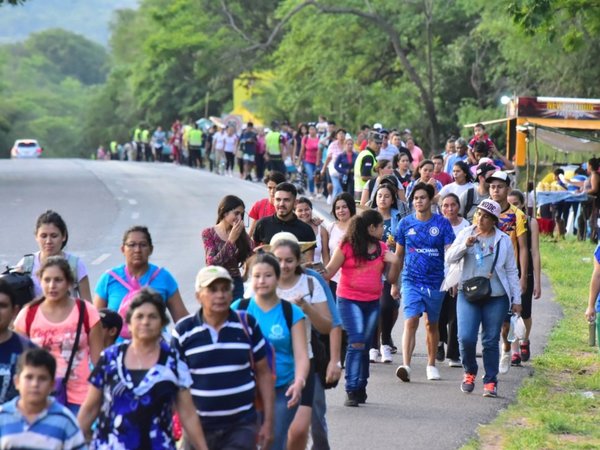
[592, 333]
[511, 330]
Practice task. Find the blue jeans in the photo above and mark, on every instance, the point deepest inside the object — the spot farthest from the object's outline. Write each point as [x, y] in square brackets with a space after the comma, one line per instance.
[337, 186]
[283, 417]
[318, 421]
[490, 314]
[360, 322]
[309, 170]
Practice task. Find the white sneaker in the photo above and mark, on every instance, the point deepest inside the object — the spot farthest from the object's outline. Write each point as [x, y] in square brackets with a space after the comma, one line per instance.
[433, 373]
[454, 363]
[386, 354]
[403, 372]
[373, 355]
[504, 363]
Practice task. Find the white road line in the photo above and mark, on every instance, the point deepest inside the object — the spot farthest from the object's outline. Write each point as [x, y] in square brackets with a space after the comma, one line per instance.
[132, 201]
[135, 215]
[100, 259]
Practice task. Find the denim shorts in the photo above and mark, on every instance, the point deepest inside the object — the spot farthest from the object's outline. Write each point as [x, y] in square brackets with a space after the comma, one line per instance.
[417, 300]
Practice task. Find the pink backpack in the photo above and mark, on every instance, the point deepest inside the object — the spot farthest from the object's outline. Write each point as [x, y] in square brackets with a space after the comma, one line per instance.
[133, 286]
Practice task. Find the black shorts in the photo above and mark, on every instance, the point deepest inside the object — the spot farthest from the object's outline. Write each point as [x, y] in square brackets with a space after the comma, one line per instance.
[308, 392]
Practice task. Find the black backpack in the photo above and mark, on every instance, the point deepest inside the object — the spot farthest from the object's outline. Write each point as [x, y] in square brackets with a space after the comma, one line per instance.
[21, 284]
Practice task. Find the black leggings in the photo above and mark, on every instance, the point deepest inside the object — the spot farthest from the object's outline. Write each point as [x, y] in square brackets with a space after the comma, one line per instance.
[388, 313]
[448, 327]
[230, 164]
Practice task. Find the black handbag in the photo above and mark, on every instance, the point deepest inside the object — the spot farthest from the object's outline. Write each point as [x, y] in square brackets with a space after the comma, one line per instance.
[478, 289]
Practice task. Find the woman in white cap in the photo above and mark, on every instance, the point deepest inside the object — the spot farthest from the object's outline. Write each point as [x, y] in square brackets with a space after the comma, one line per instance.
[487, 253]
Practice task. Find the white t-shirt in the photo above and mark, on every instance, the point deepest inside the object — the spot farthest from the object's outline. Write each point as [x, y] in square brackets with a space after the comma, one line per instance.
[300, 289]
[335, 237]
[81, 271]
[230, 143]
[219, 140]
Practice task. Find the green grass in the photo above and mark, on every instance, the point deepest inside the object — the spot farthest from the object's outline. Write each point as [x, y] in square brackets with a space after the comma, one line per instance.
[550, 411]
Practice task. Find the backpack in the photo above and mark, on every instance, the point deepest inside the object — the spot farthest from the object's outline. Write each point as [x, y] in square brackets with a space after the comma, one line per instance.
[270, 350]
[29, 259]
[287, 314]
[21, 284]
[133, 286]
[470, 201]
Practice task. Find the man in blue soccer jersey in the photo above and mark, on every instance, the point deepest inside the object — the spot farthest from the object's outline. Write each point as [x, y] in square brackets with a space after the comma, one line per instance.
[421, 240]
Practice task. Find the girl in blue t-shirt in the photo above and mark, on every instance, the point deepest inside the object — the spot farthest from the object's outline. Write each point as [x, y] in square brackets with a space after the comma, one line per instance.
[291, 355]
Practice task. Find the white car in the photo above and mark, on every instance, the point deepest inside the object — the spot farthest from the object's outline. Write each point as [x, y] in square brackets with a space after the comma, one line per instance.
[26, 148]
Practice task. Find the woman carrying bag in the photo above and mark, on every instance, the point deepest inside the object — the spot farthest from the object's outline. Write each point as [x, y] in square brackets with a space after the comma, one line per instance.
[487, 288]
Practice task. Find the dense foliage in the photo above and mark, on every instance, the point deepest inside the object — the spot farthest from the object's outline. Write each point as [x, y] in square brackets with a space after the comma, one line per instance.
[427, 65]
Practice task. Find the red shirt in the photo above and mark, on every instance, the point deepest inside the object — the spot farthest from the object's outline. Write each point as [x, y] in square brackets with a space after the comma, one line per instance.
[261, 208]
[443, 177]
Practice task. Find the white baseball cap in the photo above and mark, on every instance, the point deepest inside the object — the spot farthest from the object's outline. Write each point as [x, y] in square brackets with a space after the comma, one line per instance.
[490, 207]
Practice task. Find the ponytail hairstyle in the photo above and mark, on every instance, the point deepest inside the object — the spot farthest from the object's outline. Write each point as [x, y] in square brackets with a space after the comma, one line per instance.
[358, 235]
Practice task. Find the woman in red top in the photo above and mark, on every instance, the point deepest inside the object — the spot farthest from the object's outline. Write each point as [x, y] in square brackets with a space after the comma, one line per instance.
[227, 244]
[308, 156]
[362, 258]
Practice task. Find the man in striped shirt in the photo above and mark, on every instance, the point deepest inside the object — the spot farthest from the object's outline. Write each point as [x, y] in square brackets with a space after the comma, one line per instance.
[33, 420]
[227, 360]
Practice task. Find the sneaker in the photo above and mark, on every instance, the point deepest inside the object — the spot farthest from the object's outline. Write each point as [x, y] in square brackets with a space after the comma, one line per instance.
[468, 383]
[361, 396]
[403, 372]
[394, 348]
[490, 390]
[373, 355]
[525, 353]
[515, 360]
[504, 362]
[433, 373]
[454, 363]
[440, 354]
[351, 399]
[386, 354]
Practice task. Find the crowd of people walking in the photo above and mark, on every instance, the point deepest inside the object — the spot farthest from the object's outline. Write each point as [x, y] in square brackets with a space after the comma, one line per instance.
[286, 305]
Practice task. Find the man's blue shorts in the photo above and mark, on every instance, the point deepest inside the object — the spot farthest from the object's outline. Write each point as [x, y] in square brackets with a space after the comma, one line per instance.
[417, 300]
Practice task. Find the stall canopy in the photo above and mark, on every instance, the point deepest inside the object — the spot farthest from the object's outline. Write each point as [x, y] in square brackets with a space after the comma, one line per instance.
[551, 114]
[566, 142]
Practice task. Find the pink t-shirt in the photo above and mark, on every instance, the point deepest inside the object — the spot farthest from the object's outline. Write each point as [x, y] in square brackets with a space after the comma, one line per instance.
[58, 339]
[360, 280]
[312, 147]
[417, 156]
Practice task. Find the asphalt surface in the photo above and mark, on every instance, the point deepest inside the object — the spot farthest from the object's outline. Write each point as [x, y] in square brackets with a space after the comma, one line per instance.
[100, 200]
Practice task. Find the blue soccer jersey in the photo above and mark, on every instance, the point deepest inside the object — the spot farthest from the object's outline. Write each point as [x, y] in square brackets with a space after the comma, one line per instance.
[424, 244]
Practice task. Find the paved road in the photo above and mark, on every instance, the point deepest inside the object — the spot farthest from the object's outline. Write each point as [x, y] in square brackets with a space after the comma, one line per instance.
[99, 200]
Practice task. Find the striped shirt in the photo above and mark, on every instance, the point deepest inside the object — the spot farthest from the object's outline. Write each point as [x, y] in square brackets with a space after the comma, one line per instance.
[54, 429]
[223, 383]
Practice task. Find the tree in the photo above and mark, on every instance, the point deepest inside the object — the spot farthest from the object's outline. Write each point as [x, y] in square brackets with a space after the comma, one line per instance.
[412, 45]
